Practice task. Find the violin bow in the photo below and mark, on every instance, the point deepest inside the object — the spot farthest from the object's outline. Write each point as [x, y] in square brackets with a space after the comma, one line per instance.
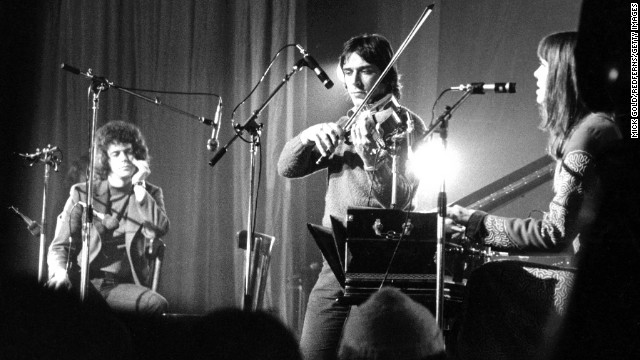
[392, 62]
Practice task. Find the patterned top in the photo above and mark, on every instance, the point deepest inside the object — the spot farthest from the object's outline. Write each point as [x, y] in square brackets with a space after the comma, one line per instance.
[576, 202]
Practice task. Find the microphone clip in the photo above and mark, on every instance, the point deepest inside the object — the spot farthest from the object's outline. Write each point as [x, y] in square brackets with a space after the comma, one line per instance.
[49, 155]
[98, 83]
[300, 64]
[303, 61]
[475, 88]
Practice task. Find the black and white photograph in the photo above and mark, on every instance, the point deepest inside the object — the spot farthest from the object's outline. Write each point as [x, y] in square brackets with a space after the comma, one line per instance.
[319, 179]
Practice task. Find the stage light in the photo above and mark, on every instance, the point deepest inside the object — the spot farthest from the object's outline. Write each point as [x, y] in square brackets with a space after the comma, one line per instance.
[429, 162]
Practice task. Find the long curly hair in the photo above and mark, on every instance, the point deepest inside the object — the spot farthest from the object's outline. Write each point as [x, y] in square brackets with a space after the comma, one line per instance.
[562, 106]
[115, 132]
[374, 49]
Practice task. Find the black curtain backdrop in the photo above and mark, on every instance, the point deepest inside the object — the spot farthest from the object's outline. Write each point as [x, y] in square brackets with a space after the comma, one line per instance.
[224, 47]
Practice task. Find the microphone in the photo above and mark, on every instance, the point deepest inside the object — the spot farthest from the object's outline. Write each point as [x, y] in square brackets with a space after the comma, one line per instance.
[480, 87]
[96, 79]
[71, 69]
[212, 143]
[38, 153]
[33, 227]
[313, 65]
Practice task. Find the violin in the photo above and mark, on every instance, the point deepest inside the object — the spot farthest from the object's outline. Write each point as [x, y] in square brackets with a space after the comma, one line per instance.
[386, 115]
[389, 125]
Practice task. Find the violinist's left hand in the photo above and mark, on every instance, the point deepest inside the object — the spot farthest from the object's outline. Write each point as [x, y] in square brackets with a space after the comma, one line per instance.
[363, 141]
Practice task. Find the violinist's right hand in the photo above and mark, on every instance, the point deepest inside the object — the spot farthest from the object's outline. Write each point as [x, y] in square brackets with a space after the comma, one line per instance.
[324, 136]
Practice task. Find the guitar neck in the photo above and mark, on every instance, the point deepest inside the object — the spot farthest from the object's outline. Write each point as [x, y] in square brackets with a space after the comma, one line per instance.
[511, 186]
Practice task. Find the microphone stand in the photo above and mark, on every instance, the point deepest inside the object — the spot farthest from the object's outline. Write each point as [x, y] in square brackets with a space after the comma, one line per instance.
[98, 85]
[249, 281]
[405, 134]
[47, 156]
[393, 151]
[394, 173]
[49, 160]
[443, 123]
[155, 101]
[254, 129]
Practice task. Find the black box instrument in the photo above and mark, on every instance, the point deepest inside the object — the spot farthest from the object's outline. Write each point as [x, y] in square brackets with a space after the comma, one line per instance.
[383, 247]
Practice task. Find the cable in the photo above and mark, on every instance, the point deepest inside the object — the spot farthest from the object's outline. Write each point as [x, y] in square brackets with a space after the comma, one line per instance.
[406, 219]
[395, 251]
[233, 124]
[433, 108]
[375, 162]
[411, 203]
[171, 92]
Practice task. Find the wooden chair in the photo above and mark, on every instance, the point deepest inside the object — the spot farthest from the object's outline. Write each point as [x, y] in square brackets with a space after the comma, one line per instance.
[155, 253]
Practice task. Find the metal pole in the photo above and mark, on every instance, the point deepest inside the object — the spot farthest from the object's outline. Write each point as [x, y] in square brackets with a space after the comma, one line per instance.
[88, 213]
[43, 221]
[442, 122]
[248, 299]
[442, 213]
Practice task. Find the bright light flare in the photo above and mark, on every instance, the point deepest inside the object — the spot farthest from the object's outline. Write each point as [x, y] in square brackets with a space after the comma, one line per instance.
[430, 162]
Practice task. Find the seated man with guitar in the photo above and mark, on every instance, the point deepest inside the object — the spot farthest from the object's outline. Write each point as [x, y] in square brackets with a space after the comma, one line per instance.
[128, 213]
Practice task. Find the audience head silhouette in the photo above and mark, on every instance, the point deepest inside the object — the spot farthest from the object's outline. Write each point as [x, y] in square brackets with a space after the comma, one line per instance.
[231, 334]
[40, 323]
[390, 325]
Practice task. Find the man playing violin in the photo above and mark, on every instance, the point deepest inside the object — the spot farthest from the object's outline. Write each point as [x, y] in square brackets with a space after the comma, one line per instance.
[359, 171]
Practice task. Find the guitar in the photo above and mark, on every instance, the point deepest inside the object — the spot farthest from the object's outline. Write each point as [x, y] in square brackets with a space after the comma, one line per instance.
[510, 186]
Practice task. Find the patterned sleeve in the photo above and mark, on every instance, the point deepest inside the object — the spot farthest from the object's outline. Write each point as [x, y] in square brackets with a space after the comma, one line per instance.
[558, 226]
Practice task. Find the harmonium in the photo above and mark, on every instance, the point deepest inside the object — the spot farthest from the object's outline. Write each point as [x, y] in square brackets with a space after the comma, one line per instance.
[376, 247]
